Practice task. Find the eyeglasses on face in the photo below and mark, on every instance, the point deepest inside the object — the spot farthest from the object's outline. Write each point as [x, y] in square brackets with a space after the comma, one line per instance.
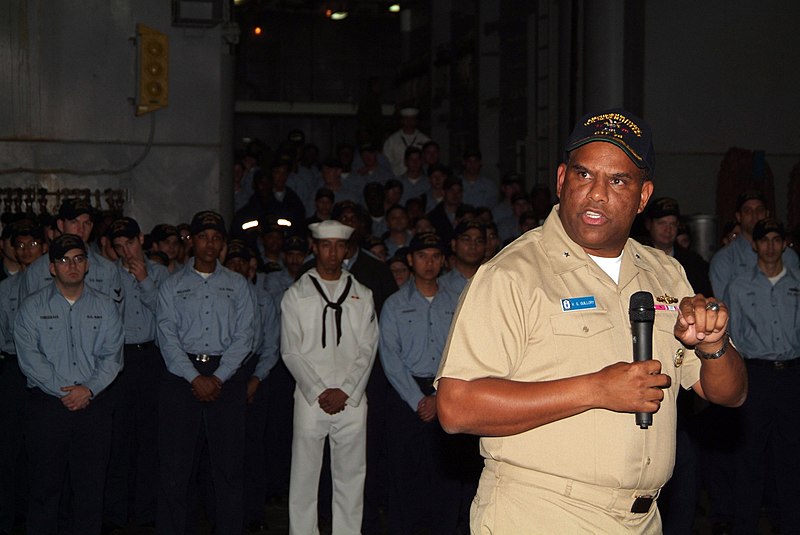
[78, 259]
[30, 245]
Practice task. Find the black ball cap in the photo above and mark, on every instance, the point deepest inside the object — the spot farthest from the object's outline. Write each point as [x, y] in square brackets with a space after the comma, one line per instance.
[72, 208]
[64, 244]
[425, 240]
[767, 225]
[238, 249]
[621, 128]
[205, 220]
[124, 227]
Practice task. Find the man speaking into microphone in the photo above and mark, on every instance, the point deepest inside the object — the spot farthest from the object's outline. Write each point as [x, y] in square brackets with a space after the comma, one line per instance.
[539, 360]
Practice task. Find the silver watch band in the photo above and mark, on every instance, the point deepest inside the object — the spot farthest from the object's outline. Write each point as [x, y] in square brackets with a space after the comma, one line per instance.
[718, 353]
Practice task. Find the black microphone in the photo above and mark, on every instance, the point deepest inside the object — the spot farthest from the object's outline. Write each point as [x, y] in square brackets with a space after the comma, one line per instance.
[643, 314]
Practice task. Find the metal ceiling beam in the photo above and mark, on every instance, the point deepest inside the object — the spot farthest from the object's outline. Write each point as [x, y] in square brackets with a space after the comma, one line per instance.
[263, 107]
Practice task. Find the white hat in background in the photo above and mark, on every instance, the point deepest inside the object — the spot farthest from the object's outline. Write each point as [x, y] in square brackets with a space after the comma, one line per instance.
[330, 229]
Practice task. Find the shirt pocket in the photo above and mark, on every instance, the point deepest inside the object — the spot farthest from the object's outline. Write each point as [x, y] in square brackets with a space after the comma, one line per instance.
[224, 302]
[582, 342]
[188, 308]
[184, 299]
[53, 337]
[581, 325]
[409, 318]
[92, 334]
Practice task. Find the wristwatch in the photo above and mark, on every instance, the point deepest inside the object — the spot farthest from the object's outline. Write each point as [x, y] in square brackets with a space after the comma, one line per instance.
[716, 354]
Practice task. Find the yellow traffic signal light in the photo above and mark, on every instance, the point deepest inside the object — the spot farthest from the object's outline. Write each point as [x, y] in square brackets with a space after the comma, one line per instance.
[153, 67]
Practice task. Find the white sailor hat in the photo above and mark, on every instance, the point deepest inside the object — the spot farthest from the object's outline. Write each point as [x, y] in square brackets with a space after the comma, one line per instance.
[409, 112]
[330, 229]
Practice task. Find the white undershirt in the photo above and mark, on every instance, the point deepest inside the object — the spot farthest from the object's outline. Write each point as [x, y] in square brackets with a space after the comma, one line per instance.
[330, 287]
[609, 265]
[774, 280]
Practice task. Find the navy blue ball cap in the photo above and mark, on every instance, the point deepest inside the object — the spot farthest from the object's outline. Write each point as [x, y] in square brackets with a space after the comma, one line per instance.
[296, 243]
[124, 227]
[162, 231]
[25, 228]
[618, 127]
[426, 240]
[767, 225]
[64, 244]
[750, 195]
[662, 207]
[468, 224]
[72, 208]
[205, 220]
[238, 249]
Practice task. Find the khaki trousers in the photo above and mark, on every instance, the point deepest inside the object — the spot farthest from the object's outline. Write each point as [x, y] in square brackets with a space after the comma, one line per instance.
[515, 501]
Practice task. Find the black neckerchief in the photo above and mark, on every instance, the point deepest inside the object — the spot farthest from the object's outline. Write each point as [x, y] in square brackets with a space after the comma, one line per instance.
[336, 306]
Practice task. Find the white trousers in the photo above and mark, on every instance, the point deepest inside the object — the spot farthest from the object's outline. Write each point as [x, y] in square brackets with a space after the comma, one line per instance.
[348, 442]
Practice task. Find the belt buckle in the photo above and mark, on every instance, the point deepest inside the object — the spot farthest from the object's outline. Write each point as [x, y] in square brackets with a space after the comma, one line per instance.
[202, 357]
[779, 365]
[642, 504]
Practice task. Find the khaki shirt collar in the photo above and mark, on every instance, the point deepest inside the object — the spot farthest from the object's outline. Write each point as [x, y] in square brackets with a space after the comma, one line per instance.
[565, 255]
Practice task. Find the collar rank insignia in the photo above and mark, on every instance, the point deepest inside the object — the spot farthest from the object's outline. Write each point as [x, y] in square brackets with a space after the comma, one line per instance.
[668, 299]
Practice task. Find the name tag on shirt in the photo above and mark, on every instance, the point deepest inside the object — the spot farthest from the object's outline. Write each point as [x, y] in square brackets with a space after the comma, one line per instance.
[578, 303]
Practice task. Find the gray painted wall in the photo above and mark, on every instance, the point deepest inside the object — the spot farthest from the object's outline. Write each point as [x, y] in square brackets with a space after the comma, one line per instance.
[67, 72]
[717, 74]
[720, 74]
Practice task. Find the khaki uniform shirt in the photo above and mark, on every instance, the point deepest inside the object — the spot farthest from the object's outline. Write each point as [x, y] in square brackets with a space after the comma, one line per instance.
[516, 322]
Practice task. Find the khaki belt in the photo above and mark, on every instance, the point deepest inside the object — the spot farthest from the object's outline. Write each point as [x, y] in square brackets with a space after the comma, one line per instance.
[628, 500]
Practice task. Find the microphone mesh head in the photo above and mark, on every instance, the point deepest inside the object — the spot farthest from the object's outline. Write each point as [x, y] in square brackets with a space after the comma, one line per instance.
[641, 307]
